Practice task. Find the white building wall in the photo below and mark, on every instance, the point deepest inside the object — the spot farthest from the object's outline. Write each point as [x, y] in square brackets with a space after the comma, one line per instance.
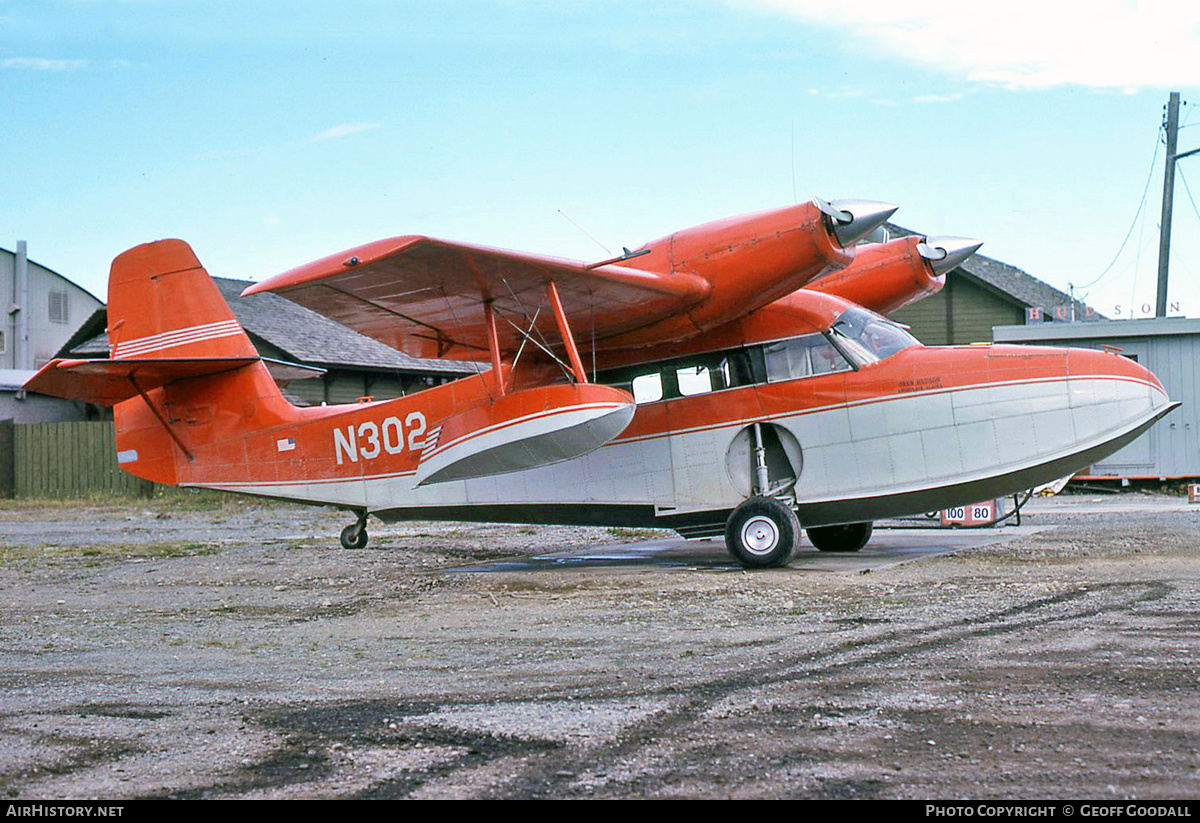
[54, 309]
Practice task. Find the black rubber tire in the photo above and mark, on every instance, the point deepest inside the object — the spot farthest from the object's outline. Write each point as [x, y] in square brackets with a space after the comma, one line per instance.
[762, 533]
[354, 537]
[849, 537]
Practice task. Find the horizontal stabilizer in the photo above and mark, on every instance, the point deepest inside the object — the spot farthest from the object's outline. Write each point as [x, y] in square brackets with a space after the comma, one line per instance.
[108, 382]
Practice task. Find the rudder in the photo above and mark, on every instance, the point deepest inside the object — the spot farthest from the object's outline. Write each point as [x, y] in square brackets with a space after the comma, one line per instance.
[163, 304]
[179, 361]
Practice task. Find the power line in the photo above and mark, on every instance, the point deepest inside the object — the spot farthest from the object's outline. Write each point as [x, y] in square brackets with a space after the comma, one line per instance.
[1133, 224]
[1137, 265]
[1188, 190]
[1188, 116]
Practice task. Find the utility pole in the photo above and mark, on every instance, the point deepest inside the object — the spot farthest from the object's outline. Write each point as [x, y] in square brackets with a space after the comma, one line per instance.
[1171, 124]
[1164, 231]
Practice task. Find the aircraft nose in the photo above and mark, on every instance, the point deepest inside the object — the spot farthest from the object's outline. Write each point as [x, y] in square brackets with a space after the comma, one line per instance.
[1111, 363]
[1110, 392]
[854, 219]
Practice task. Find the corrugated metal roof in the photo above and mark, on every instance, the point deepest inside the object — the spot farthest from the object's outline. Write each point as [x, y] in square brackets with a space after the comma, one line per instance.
[1055, 332]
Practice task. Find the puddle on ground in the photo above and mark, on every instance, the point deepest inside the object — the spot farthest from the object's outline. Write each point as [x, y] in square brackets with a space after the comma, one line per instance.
[888, 547]
[700, 555]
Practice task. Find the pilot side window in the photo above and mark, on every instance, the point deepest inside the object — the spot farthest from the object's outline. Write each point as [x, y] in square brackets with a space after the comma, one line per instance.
[868, 338]
[802, 357]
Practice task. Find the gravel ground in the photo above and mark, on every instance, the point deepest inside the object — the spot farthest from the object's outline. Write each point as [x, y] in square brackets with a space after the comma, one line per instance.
[180, 648]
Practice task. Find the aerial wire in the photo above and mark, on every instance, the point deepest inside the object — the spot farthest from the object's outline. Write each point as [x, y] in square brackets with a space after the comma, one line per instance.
[795, 199]
[585, 231]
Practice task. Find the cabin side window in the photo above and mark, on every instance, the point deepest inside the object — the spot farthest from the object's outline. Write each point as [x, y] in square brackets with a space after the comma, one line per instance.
[688, 376]
[858, 338]
[647, 388]
[694, 380]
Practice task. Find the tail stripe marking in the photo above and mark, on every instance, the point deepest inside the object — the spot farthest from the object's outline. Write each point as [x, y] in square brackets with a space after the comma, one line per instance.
[431, 441]
[178, 337]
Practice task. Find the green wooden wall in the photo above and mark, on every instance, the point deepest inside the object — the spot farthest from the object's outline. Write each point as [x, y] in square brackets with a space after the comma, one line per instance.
[69, 460]
[962, 312]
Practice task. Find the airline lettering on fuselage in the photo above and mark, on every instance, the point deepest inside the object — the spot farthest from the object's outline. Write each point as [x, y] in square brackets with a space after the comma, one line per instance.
[368, 440]
[920, 384]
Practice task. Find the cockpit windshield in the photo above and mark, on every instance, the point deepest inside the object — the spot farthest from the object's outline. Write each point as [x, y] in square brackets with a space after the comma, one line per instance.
[865, 337]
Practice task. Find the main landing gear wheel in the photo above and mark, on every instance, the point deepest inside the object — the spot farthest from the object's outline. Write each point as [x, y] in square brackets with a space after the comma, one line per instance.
[355, 535]
[762, 532]
[846, 538]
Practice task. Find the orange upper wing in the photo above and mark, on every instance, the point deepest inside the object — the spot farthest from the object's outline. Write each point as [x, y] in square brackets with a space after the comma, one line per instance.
[426, 297]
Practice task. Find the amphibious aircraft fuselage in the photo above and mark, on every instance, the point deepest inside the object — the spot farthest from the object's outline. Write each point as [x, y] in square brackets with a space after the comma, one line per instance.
[731, 378]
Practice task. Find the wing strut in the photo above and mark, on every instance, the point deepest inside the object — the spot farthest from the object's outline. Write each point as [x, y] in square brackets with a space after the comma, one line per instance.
[489, 315]
[564, 329]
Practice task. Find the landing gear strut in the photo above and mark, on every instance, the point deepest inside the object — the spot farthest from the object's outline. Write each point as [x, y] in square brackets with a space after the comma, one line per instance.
[763, 531]
[355, 535]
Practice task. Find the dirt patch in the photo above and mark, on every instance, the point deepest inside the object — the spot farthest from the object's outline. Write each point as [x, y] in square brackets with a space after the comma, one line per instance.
[150, 650]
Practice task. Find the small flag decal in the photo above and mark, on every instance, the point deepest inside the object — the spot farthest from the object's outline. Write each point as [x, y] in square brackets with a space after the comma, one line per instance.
[287, 444]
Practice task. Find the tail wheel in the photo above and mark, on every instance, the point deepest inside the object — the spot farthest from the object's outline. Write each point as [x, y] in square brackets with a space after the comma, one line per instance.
[762, 532]
[355, 536]
[849, 537]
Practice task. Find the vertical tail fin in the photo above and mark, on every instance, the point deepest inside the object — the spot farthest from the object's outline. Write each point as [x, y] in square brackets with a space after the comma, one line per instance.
[162, 304]
[185, 382]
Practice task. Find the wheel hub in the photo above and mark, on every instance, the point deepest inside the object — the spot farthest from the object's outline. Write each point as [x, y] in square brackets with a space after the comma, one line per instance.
[760, 535]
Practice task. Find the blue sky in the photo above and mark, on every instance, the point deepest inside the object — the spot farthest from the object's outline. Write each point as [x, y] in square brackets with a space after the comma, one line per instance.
[267, 133]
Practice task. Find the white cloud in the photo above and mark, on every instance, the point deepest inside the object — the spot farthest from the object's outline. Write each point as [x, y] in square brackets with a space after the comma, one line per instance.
[1024, 44]
[343, 130]
[42, 64]
[332, 133]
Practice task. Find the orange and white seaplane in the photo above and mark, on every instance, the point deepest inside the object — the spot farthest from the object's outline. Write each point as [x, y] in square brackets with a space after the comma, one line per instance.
[738, 377]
